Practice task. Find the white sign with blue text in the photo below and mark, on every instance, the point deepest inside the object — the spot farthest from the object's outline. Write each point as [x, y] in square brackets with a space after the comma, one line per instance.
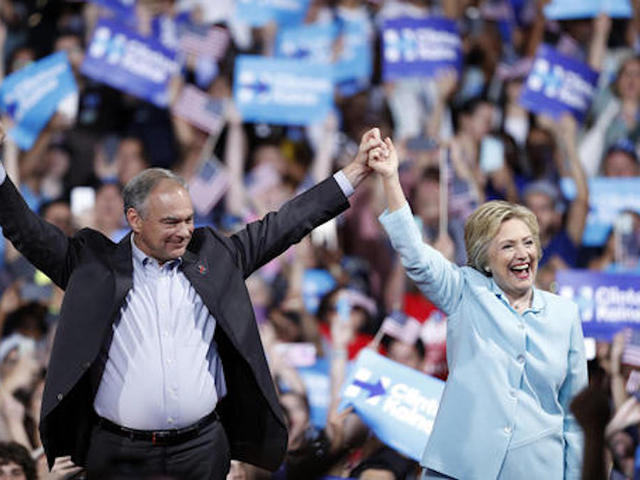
[398, 403]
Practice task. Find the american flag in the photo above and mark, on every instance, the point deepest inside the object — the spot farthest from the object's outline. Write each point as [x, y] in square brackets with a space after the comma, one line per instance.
[208, 186]
[631, 352]
[200, 109]
[401, 327]
[203, 41]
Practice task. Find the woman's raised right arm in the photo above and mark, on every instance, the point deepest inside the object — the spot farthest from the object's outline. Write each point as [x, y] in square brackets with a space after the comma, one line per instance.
[437, 278]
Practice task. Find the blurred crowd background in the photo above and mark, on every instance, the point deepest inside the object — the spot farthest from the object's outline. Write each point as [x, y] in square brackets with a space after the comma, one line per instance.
[325, 299]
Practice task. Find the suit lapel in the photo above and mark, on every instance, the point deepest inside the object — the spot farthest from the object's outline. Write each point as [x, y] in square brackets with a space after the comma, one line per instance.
[207, 283]
[123, 270]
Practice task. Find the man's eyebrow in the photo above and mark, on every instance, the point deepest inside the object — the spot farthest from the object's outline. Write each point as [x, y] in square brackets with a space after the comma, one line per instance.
[172, 218]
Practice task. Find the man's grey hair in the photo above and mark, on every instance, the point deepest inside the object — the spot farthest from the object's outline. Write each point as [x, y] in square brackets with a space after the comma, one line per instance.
[137, 191]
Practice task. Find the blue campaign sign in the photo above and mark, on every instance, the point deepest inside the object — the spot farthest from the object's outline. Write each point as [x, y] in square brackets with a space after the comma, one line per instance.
[316, 283]
[257, 13]
[420, 47]
[568, 9]
[608, 197]
[121, 8]
[307, 42]
[127, 61]
[317, 383]
[558, 84]
[282, 91]
[31, 96]
[355, 60]
[398, 403]
[315, 43]
[608, 302]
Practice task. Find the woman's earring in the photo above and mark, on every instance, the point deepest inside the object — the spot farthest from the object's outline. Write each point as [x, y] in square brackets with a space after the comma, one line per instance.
[487, 269]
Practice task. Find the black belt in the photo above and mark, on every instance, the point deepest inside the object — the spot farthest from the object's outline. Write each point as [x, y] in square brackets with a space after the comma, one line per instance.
[159, 437]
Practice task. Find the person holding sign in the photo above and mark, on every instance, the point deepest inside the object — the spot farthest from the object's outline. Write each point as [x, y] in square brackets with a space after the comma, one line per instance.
[515, 353]
[157, 367]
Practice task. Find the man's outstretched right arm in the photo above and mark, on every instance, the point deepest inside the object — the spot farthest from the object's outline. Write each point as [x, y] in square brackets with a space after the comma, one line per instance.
[43, 244]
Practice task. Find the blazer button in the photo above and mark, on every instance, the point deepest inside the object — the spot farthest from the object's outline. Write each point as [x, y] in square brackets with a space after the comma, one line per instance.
[86, 365]
[59, 396]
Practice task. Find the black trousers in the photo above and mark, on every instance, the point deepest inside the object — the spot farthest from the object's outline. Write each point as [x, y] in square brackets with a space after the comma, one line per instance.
[114, 457]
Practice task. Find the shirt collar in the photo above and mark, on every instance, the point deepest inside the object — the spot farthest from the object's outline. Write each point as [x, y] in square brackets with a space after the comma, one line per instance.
[143, 259]
[537, 300]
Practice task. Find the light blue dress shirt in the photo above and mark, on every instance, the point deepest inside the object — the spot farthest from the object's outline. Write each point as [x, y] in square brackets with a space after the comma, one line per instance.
[163, 370]
[505, 411]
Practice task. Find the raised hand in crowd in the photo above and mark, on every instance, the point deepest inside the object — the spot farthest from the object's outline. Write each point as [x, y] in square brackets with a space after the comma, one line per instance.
[446, 84]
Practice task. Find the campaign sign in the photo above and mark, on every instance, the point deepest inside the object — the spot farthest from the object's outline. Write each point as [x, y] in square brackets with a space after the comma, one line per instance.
[127, 61]
[121, 8]
[558, 84]
[608, 302]
[316, 283]
[398, 403]
[420, 47]
[282, 91]
[316, 43]
[318, 385]
[568, 9]
[608, 197]
[257, 13]
[31, 95]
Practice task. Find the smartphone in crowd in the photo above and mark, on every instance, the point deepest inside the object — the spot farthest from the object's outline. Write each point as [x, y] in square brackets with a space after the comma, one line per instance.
[627, 240]
[491, 154]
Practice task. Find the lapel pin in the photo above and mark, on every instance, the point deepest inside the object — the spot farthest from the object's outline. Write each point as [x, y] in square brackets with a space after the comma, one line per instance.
[202, 269]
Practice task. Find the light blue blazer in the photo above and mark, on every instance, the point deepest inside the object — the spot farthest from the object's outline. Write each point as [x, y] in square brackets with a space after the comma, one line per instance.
[505, 408]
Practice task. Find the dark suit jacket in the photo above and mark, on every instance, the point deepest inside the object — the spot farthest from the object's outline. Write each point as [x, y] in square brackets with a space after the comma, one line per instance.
[97, 274]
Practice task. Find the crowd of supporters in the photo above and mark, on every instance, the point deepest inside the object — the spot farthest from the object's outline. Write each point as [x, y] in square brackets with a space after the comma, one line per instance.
[112, 136]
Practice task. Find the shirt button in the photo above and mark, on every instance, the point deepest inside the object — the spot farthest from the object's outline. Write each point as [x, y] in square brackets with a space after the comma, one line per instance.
[521, 326]
[520, 359]
[512, 392]
[168, 361]
[507, 430]
[170, 420]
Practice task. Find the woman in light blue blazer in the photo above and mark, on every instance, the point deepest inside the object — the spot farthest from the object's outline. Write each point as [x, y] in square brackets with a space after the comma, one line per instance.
[515, 353]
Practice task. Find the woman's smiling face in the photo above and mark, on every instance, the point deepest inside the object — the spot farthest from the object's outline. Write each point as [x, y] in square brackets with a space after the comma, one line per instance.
[513, 258]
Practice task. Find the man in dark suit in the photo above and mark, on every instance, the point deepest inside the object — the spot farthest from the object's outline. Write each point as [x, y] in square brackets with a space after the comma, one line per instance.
[157, 366]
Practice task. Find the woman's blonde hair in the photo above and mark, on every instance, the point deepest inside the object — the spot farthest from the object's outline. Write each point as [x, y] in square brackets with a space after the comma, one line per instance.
[483, 225]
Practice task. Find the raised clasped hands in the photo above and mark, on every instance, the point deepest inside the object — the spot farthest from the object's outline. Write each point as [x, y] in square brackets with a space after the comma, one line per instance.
[383, 159]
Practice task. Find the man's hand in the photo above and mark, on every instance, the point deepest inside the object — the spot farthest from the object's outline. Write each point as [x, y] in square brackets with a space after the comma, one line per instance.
[359, 169]
[63, 468]
[371, 139]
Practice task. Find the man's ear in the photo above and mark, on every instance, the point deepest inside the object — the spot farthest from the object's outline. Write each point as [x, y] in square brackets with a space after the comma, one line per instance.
[134, 219]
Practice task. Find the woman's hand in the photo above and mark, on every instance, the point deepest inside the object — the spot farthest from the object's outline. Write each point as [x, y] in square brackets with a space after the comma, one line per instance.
[384, 159]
